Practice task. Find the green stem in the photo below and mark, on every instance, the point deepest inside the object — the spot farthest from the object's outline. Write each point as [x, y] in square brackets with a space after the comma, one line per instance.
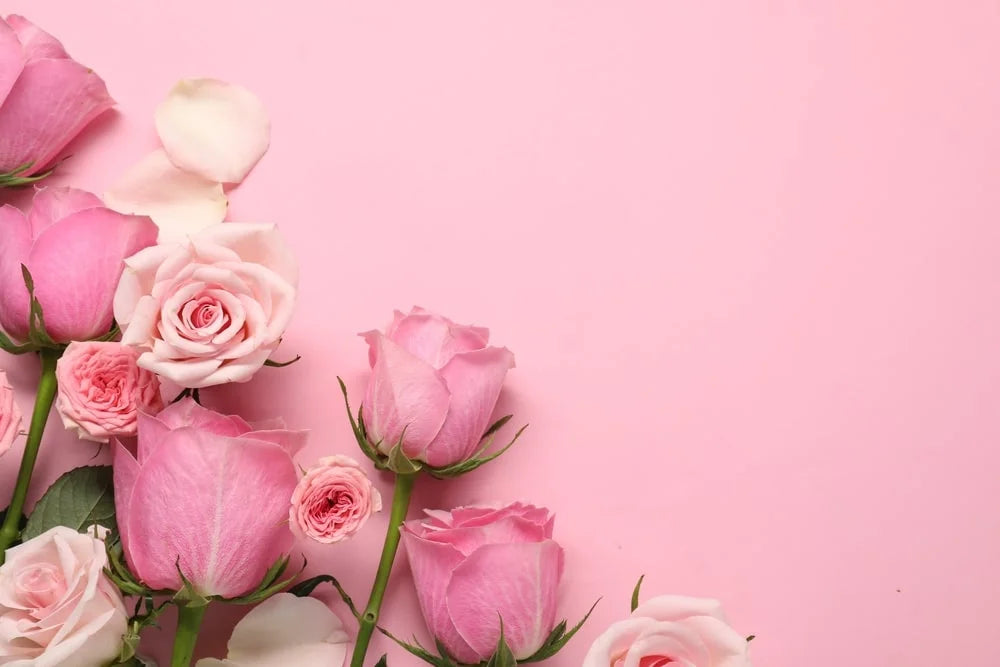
[188, 623]
[369, 620]
[10, 530]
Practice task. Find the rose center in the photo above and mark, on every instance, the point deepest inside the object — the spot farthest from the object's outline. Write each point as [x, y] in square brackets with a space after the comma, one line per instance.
[204, 316]
[40, 585]
[647, 661]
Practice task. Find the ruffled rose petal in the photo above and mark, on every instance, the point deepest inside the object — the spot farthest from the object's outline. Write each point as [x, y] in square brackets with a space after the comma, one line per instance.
[179, 202]
[215, 129]
[37, 43]
[52, 204]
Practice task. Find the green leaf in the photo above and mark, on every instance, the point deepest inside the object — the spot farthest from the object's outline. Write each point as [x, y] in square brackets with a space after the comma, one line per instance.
[635, 592]
[79, 499]
[282, 364]
[305, 588]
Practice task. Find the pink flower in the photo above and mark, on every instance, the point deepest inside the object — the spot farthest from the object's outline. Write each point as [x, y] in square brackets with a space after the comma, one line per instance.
[46, 97]
[211, 309]
[434, 385]
[286, 631]
[475, 565]
[10, 415]
[74, 249]
[207, 493]
[102, 390]
[57, 609]
[671, 630]
[333, 501]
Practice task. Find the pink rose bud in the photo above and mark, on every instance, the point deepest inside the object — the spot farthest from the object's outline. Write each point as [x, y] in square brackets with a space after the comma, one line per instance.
[75, 250]
[208, 495]
[475, 565]
[434, 385]
[10, 415]
[102, 390]
[333, 501]
[57, 607]
[671, 630]
[46, 97]
[211, 309]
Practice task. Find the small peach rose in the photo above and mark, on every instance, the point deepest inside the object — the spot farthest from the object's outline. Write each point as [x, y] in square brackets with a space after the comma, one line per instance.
[333, 501]
[10, 415]
[102, 390]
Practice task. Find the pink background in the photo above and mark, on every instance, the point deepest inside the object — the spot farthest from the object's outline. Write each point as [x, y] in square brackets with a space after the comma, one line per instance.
[746, 254]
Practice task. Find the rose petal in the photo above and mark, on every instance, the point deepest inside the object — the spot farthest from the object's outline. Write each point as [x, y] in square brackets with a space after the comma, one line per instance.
[289, 630]
[37, 43]
[179, 202]
[214, 129]
[52, 204]
[434, 338]
[11, 59]
[259, 243]
[16, 234]
[676, 607]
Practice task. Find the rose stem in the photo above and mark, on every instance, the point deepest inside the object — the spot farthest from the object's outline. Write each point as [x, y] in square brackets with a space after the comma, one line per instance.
[10, 530]
[400, 503]
[188, 623]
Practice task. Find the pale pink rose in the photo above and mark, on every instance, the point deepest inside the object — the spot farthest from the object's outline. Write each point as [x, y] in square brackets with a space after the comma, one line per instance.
[74, 249]
[333, 500]
[211, 309]
[208, 494]
[46, 97]
[286, 631]
[102, 390]
[434, 384]
[671, 630]
[57, 608]
[475, 565]
[10, 415]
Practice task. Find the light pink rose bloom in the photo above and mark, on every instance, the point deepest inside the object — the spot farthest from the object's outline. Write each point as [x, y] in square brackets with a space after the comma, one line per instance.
[434, 384]
[208, 493]
[10, 415]
[74, 249]
[286, 631]
[333, 501]
[102, 390]
[46, 97]
[671, 630]
[475, 565]
[211, 309]
[57, 608]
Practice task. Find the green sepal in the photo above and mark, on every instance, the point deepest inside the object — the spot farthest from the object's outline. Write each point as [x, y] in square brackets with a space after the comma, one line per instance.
[480, 458]
[305, 588]
[14, 179]
[271, 584]
[360, 434]
[383, 661]
[502, 656]
[442, 660]
[282, 364]
[188, 595]
[400, 463]
[38, 338]
[635, 593]
[558, 638]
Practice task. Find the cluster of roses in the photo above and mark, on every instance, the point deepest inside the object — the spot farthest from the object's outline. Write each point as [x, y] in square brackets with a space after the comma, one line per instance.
[160, 298]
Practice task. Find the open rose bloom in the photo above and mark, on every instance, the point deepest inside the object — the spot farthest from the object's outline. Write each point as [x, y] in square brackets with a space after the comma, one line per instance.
[333, 500]
[46, 97]
[206, 494]
[475, 565]
[671, 630]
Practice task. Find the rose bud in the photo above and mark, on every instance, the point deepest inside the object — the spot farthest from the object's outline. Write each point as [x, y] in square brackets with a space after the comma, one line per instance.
[333, 501]
[433, 388]
[10, 415]
[102, 390]
[57, 608]
[46, 99]
[474, 566]
[671, 630]
[74, 249]
[206, 496]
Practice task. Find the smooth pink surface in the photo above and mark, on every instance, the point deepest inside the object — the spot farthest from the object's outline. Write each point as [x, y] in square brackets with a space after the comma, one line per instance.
[746, 254]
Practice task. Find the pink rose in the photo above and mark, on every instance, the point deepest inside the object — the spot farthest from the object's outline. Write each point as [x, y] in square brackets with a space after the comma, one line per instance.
[671, 630]
[102, 390]
[74, 249]
[434, 385]
[333, 501]
[10, 415]
[286, 631]
[475, 565]
[212, 309]
[207, 493]
[46, 97]
[57, 609]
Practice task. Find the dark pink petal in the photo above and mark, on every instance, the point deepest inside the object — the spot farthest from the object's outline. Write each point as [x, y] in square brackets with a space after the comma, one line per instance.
[51, 102]
[11, 59]
[291, 441]
[37, 43]
[52, 204]
[14, 249]
[474, 380]
[436, 339]
[509, 530]
[516, 582]
[188, 412]
[404, 393]
[76, 264]
[218, 504]
[126, 472]
[432, 564]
